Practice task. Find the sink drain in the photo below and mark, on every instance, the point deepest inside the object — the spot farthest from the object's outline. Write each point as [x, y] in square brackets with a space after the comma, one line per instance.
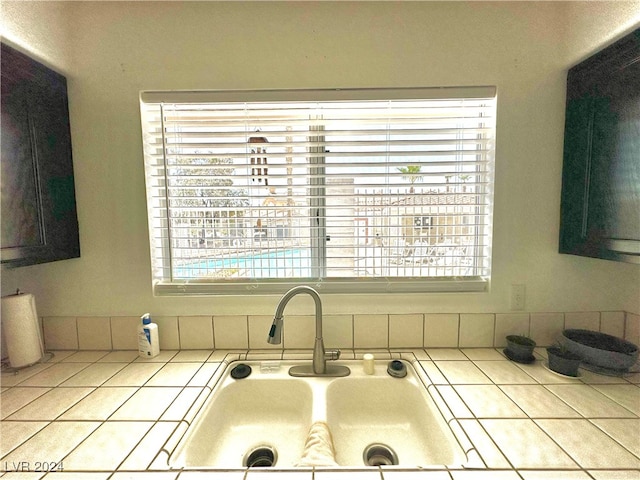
[378, 455]
[263, 456]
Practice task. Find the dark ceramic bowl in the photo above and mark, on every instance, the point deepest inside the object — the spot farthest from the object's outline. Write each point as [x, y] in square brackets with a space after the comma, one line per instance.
[564, 362]
[600, 349]
[519, 347]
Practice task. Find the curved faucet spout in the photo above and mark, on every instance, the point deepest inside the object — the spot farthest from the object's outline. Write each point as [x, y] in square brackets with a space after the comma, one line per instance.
[279, 316]
[275, 333]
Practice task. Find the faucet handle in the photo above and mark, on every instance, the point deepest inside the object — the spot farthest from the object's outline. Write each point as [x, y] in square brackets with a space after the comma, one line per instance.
[332, 354]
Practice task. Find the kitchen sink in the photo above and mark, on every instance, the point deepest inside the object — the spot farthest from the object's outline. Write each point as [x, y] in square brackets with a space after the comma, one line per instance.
[263, 419]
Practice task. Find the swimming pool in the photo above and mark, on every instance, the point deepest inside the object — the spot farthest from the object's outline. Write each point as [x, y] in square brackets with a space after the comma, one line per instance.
[290, 263]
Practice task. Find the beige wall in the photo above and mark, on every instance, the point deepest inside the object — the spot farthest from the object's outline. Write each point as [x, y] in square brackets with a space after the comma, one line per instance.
[592, 24]
[41, 29]
[112, 50]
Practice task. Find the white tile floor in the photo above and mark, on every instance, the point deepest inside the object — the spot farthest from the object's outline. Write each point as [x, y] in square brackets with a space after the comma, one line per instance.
[115, 416]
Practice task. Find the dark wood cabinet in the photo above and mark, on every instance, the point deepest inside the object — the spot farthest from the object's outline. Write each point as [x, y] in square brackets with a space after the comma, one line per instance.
[38, 207]
[600, 210]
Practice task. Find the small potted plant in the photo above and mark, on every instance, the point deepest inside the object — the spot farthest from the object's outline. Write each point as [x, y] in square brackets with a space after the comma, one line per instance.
[562, 360]
[520, 348]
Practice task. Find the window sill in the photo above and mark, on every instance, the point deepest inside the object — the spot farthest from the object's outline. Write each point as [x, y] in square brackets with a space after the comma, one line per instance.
[330, 286]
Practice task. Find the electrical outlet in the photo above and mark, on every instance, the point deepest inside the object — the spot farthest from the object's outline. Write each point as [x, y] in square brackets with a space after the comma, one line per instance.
[517, 297]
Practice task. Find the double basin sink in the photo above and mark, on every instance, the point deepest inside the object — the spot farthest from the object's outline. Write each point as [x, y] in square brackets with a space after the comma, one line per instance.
[264, 420]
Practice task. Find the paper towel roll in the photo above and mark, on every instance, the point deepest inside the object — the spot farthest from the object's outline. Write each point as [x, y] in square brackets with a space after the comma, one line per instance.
[21, 330]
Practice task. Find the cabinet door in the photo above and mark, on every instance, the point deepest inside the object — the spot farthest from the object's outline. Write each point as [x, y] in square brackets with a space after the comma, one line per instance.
[618, 123]
[39, 221]
[600, 211]
[22, 222]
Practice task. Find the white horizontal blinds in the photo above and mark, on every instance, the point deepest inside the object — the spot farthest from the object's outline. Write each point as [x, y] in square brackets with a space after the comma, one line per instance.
[407, 188]
[159, 238]
[332, 189]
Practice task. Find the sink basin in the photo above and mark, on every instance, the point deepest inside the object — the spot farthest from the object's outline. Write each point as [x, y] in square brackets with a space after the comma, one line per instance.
[243, 416]
[395, 413]
[265, 420]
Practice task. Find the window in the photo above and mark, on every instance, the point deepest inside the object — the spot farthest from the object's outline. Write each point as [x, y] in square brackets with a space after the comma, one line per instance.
[349, 190]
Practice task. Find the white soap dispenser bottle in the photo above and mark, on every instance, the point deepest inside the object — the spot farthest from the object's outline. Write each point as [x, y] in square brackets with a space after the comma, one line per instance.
[148, 341]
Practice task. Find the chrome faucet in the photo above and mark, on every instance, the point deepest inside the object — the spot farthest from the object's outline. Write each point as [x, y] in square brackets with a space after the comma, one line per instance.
[320, 355]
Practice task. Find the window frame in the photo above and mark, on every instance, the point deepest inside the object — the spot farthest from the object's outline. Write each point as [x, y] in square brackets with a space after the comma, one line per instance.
[202, 286]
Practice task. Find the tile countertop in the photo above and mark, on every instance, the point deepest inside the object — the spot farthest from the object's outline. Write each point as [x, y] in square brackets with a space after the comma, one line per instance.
[98, 415]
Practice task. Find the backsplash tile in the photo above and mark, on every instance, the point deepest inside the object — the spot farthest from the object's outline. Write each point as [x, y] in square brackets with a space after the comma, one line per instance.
[337, 331]
[196, 332]
[298, 331]
[612, 323]
[510, 324]
[60, 333]
[406, 331]
[259, 326]
[584, 320]
[371, 331]
[94, 333]
[546, 328]
[429, 330]
[124, 333]
[230, 331]
[476, 330]
[168, 334]
[632, 328]
[441, 330]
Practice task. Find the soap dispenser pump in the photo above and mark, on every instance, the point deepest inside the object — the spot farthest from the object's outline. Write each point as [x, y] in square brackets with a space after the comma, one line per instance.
[148, 341]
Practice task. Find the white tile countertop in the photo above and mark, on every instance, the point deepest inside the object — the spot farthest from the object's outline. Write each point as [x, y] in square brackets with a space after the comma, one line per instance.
[100, 415]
